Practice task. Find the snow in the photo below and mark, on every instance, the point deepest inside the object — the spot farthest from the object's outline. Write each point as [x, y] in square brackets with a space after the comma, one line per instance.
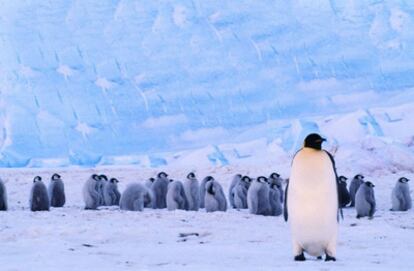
[72, 238]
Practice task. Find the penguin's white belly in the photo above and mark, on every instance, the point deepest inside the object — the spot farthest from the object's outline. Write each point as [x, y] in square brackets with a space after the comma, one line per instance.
[313, 201]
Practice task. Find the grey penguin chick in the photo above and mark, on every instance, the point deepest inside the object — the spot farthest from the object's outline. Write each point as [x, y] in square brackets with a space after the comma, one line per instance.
[111, 193]
[240, 192]
[353, 187]
[400, 197]
[39, 198]
[365, 200]
[176, 197]
[3, 196]
[233, 183]
[192, 192]
[159, 189]
[56, 191]
[275, 178]
[132, 199]
[343, 193]
[91, 194]
[203, 190]
[214, 198]
[276, 208]
[103, 180]
[258, 197]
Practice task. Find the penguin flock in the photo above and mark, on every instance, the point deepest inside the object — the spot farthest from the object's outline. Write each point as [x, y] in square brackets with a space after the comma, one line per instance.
[311, 200]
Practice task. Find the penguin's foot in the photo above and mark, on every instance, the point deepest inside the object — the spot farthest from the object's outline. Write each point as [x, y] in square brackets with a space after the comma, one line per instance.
[319, 257]
[358, 216]
[300, 258]
[329, 258]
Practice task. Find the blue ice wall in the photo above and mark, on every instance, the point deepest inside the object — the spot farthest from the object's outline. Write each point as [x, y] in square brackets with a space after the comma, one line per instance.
[83, 79]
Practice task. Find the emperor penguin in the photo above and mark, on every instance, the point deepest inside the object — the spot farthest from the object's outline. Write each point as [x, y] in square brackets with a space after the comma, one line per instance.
[240, 192]
[258, 197]
[3, 196]
[311, 201]
[159, 188]
[276, 208]
[233, 183]
[278, 181]
[148, 183]
[176, 197]
[133, 197]
[203, 190]
[343, 193]
[401, 198]
[111, 194]
[192, 192]
[353, 187]
[365, 200]
[91, 192]
[214, 198]
[149, 200]
[56, 191]
[39, 198]
[103, 180]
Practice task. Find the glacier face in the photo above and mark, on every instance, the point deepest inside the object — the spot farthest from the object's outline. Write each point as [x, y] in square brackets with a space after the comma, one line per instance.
[89, 82]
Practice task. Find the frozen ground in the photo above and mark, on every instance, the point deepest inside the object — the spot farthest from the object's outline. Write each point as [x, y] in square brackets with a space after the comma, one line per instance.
[73, 239]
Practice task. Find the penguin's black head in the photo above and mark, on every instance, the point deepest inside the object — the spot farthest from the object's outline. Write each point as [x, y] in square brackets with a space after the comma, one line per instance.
[103, 177]
[343, 178]
[369, 184]
[191, 175]
[37, 179]
[403, 180]
[96, 177]
[162, 175]
[359, 177]
[262, 179]
[314, 141]
[55, 177]
[113, 180]
[209, 178]
[274, 175]
[246, 179]
[151, 179]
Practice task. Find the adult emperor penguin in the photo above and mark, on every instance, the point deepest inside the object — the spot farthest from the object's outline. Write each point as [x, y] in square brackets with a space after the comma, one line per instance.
[311, 202]
[400, 197]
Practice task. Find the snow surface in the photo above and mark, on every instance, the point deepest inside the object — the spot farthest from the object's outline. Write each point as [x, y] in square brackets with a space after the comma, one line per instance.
[71, 238]
[85, 82]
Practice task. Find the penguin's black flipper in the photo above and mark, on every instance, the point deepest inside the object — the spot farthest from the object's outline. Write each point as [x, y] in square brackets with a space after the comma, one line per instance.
[340, 213]
[285, 211]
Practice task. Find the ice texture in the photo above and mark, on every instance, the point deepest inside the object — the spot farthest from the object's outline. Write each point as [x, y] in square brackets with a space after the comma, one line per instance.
[106, 82]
